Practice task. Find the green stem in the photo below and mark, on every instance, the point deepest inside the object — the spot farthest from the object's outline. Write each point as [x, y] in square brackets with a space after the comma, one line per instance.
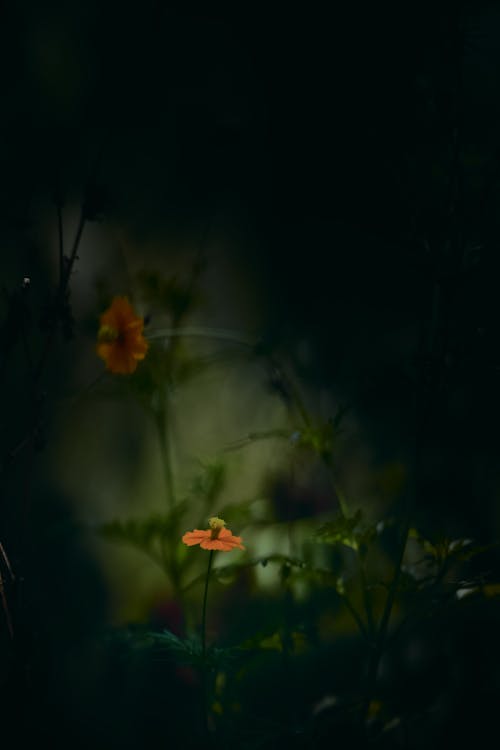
[306, 419]
[165, 453]
[61, 238]
[356, 616]
[168, 552]
[295, 395]
[366, 595]
[202, 332]
[343, 505]
[380, 641]
[66, 271]
[204, 680]
[204, 610]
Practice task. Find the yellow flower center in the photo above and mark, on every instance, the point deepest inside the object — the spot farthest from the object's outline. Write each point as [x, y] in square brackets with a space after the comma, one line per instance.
[107, 334]
[216, 524]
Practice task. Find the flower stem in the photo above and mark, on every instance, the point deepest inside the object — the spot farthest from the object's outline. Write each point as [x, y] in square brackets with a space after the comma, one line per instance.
[204, 333]
[169, 557]
[380, 639]
[204, 610]
[163, 427]
[204, 680]
[366, 595]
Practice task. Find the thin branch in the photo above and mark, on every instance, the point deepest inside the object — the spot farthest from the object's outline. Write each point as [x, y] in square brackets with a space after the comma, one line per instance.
[202, 332]
[7, 562]
[356, 616]
[6, 608]
[61, 240]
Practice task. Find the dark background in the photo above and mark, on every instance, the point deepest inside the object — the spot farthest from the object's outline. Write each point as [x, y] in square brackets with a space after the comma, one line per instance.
[359, 149]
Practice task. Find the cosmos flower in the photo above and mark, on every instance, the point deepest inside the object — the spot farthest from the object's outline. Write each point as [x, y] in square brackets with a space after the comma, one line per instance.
[120, 340]
[216, 537]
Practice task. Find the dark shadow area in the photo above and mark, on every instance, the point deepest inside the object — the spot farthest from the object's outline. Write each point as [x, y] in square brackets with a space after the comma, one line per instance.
[347, 163]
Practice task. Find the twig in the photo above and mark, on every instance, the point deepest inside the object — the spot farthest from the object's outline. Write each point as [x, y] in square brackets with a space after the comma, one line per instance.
[6, 608]
[202, 332]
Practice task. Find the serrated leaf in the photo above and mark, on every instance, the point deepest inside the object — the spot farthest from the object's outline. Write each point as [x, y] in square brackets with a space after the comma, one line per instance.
[341, 530]
[144, 533]
[460, 550]
[210, 482]
[168, 294]
[327, 578]
[240, 513]
[172, 642]
[431, 549]
[320, 439]
[253, 437]
[190, 651]
[274, 642]
[229, 572]
[467, 550]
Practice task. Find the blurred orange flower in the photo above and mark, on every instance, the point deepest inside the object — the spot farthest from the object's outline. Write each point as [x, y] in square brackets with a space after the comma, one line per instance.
[120, 340]
[216, 537]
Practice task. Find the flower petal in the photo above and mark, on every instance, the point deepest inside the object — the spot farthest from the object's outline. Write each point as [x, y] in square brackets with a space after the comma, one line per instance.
[122, 354]
[227, 537]
[121, 361]
[195, 537]
[225, 542]
[210, 544]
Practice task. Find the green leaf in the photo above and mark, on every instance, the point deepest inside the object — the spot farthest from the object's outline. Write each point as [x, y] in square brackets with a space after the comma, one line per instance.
[210, 482]
[342, 530]
[320, 439]
[243, 512]
[172, 642]
[326, 578]
[464, 550]
[253, 437]
[169, 294]
[458, 550]
[274, 642]
[144, 533]
[226, 573]
[189, 650]
[431, 549]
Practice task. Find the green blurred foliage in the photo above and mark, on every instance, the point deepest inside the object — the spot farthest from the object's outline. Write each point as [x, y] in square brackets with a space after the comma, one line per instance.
[319, 290]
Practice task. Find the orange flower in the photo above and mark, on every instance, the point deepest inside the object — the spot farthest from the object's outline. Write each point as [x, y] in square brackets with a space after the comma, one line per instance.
[120, 340]
[216, 537]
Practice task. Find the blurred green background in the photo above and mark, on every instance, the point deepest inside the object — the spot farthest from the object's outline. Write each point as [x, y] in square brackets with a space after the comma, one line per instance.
[338, 175]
